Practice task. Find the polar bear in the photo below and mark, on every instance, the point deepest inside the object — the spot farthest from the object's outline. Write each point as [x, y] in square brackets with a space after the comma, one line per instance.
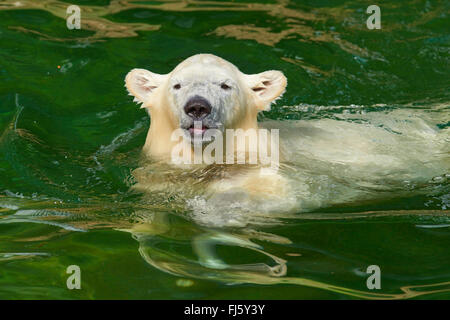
[206, 93]
[204, 90]
[326, 161]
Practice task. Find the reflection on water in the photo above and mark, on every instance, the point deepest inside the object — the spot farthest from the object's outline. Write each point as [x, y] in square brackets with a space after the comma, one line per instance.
[91, 19]
[368, 182]
[209, 267]
[295, 21]
[166, 244]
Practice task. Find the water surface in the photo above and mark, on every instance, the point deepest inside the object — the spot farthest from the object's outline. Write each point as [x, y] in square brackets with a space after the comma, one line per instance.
[368, 119]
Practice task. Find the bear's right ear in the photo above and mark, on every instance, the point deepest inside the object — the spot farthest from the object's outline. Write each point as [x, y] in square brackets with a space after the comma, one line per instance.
[142, 84]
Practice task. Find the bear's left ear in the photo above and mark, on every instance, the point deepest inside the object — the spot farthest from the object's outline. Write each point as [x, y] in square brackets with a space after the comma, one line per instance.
[142, 84]
[267, 87]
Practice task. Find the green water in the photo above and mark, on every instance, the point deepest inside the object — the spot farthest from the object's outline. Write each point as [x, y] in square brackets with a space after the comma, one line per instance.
[70, 138]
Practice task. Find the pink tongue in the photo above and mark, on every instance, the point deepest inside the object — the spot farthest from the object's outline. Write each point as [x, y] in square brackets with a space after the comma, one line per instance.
[197, 130]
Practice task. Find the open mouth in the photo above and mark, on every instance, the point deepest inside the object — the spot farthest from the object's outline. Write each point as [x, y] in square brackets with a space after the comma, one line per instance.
[197, 129]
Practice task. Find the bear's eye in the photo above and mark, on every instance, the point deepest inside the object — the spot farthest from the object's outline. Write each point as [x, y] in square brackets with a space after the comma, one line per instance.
[225, 87]
[177, 86]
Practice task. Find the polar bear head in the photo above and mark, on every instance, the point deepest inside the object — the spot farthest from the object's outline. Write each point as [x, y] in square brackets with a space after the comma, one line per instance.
[203, 88]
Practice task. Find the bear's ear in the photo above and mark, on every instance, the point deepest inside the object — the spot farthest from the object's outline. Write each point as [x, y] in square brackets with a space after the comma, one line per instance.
[267, 87]
[142, 84]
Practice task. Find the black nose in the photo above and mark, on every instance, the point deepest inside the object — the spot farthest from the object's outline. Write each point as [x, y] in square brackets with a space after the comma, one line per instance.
[197, 107]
